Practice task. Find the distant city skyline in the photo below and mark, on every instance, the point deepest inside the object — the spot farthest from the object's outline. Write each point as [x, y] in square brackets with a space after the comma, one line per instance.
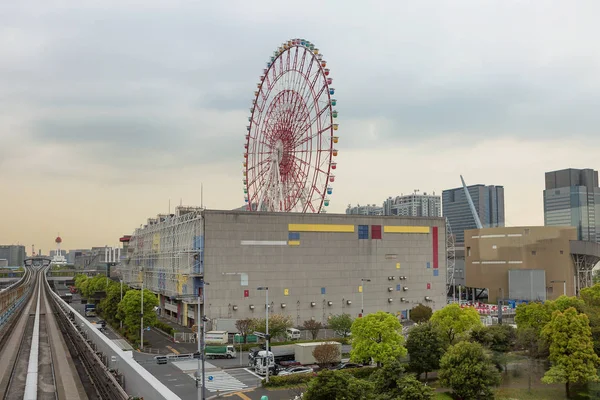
[111, 109]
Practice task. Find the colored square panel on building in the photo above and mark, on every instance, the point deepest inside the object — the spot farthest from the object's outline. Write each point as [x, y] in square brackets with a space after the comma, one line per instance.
[375, 231]
[428, 264]
[436, 272]
[363, 231]
[294, 236]
[429, 286]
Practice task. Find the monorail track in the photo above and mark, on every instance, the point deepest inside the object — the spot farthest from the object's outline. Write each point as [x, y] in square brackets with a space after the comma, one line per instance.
[36, 362]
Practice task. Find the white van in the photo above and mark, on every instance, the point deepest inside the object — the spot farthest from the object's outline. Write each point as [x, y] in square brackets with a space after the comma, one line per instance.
[292, 334]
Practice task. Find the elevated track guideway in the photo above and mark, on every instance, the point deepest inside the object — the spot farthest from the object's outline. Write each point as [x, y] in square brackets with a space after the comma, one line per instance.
[43, 356]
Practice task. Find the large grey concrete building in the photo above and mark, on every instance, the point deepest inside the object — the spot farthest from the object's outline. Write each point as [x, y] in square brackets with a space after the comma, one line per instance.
[313, 264]
[572, 198]
[488, 202]
[14, 254]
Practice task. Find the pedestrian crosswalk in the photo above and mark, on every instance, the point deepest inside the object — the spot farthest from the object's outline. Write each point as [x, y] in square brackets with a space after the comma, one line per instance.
[221, 381]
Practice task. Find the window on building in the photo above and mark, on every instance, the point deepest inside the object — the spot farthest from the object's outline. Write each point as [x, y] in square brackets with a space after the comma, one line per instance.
[375, 231]
[561, 252]
[494, 247]
[468, 252]
[533, 252]
[363, 231]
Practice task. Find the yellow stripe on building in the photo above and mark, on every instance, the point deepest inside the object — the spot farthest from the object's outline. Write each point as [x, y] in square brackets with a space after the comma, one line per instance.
[320, 228]
[405, 229]
[294, 243]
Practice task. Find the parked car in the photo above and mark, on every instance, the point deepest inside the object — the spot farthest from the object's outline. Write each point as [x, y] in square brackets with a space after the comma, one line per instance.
[346, 366]
[296, 370]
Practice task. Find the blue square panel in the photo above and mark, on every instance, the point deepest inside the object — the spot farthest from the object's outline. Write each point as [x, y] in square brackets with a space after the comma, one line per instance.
[363, 231]
[436, 272]
[428, 264]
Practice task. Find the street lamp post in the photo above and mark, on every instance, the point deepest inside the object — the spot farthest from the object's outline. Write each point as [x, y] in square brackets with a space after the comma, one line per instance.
[121, 300]
[564, 286]
[142, 314]
[362, 295]
[266, 289]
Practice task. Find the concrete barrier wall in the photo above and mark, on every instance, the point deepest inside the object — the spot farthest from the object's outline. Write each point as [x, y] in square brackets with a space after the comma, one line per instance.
[138, 381]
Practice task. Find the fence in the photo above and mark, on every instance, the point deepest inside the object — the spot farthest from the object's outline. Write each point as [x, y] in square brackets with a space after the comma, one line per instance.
[184, 337]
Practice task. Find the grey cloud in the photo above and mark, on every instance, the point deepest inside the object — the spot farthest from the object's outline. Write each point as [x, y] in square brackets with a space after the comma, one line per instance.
[138, 79]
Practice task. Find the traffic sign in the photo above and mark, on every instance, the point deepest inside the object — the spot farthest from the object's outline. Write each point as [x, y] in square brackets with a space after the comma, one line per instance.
[210, 378]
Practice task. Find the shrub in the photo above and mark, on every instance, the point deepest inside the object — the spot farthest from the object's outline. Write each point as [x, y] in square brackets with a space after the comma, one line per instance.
[288, 380]
[164, 327]
[361, 373]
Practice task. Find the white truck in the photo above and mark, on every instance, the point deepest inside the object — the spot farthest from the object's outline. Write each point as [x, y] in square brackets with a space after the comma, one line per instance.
[261, 361]
[217, 337]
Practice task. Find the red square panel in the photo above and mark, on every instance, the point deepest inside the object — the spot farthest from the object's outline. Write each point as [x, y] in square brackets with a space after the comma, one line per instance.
[246, 293]
[375, 231]
[429, 286]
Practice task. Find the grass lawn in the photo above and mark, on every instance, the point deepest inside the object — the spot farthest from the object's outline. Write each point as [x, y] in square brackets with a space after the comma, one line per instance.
[442, 396]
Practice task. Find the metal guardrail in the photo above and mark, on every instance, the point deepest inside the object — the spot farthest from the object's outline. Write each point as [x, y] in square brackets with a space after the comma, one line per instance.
[103, 379]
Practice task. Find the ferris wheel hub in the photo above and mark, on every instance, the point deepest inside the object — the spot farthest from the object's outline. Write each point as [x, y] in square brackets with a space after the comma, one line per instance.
[278, 151]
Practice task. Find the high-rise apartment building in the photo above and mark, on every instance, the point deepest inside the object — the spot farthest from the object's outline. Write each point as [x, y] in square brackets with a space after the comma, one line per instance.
[488, 202]
[412, 205]
[15, 254]
[572, 198]
[368, 209]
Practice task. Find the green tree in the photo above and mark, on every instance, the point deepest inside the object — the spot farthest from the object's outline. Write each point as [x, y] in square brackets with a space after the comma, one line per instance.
[244, 327]
[386, 378]
[129, 310]
[313, 327]
[411, 389]
[426, 345]
[591, 298]
[421, 313]
[377, 336]
[532, 315]
[341, 324]
[455, 321]
[110, 304]
[277, 325]
[338, 385]
[499, 338]
[571, 349]
[596, 276]
[468, 371]
[528, 339]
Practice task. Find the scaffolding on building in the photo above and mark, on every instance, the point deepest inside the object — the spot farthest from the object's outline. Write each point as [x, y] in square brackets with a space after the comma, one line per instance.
[167, 253]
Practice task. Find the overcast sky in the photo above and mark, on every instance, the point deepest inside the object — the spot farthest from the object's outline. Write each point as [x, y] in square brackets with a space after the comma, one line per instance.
[108, 109]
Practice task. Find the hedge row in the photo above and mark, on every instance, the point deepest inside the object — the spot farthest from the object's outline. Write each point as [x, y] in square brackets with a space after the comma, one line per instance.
[297, 379]
[287, 380]
[164, 327]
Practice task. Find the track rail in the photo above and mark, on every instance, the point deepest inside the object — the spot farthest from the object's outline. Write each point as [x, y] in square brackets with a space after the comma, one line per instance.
[34, 343]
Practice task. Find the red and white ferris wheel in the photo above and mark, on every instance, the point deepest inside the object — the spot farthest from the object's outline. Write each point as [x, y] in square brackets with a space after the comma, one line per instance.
[290, 140]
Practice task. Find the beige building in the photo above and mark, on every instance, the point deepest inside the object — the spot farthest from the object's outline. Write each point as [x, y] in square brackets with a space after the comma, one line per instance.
[539, 262]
